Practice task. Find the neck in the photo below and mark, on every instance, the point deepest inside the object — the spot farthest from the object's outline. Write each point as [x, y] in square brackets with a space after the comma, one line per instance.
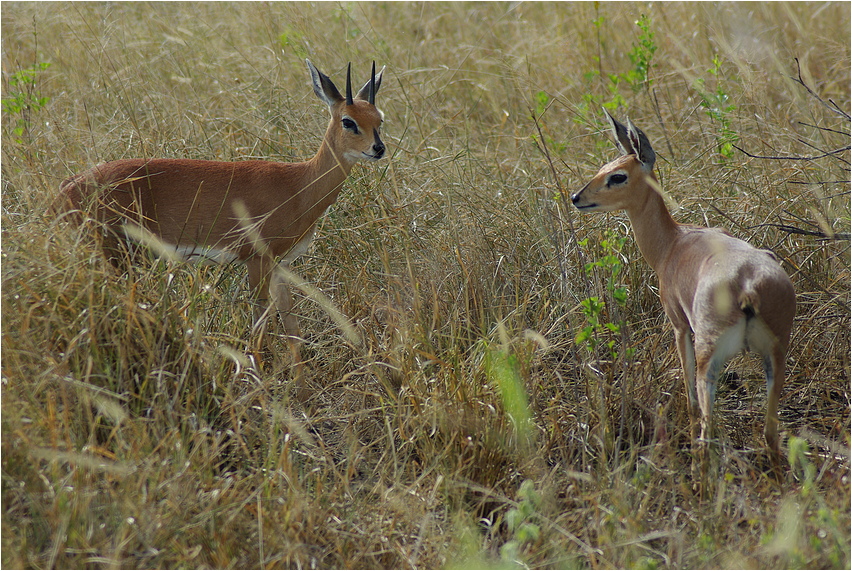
[654, 228]
[326, 172]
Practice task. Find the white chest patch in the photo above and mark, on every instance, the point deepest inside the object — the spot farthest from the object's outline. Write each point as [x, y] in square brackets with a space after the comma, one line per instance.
[300, 247]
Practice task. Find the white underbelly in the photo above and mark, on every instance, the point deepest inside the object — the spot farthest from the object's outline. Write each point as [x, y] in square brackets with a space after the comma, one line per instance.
[205, 254]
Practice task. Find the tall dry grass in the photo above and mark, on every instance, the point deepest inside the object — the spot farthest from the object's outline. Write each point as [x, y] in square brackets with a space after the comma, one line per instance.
[139, 430]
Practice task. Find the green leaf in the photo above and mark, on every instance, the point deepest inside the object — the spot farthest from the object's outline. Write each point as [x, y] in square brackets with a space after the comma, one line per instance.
[542, 99]
[585, 336]
[528, 532]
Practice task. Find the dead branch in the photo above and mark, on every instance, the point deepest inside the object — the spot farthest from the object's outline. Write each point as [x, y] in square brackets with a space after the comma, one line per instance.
[834, 107]
[816, 233]
[793, 158]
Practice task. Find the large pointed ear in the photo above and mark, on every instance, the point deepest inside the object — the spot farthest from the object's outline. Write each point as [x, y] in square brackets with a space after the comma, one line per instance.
[632, 141]
[619, 132]
[641, 146]
[323, 86]
[368, 92]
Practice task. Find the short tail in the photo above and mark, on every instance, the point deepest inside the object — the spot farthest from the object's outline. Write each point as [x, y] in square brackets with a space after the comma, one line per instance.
[750, 303]
[68, 201]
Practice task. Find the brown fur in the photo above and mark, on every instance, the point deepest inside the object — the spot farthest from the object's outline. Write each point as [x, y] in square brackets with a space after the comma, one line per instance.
[255, 211]
[719, 293]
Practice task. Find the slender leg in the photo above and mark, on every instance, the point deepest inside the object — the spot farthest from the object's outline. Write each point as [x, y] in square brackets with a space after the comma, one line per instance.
[273, 295]
[686, 352]
[774, 366]
[116, 248]
[279, 291]
[707, 374]
[282, 299]
[258, 274]
[713, 350]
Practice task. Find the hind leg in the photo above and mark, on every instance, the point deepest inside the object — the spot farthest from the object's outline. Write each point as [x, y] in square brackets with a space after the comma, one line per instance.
[119, 251]
[713, 351]
[774, 366]
[709, 364]
[706, 375]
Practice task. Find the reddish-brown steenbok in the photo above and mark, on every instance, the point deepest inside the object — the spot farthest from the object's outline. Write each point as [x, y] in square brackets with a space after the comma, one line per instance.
[720, 294]
[261, 213]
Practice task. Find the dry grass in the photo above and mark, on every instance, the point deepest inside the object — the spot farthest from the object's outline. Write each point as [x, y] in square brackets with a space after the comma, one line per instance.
[138, 431]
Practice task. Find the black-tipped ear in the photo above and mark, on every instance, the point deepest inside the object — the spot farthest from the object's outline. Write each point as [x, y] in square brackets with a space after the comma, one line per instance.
[323, 86]
[368, 92]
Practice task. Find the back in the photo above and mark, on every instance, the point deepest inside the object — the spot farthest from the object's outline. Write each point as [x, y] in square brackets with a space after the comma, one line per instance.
[201, 196]
[721, 278]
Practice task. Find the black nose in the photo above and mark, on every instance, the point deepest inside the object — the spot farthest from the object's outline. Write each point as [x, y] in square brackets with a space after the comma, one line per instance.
[378, 149]
[575, 198]
[378, 145]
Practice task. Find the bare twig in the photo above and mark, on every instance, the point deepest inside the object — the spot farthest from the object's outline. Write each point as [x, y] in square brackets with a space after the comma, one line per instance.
[800, 219]
[817, 233]
[833, 107]
[725, 215]
[844, 133]
[793, 158]
[808, 182]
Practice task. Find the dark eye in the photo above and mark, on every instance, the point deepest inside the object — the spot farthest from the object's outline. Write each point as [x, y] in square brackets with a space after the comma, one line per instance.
[350, 125]
[617, 179]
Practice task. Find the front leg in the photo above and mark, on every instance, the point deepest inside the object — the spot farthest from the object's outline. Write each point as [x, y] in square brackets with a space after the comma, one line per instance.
[258, 274]
[282, 299]
[686, 352]
[273, 295]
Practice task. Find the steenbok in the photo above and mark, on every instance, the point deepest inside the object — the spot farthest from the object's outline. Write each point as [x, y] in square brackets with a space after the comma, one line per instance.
[261, 213]
[720, 294]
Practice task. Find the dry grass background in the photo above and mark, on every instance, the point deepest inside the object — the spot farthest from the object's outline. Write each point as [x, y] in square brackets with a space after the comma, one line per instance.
[138, 431]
